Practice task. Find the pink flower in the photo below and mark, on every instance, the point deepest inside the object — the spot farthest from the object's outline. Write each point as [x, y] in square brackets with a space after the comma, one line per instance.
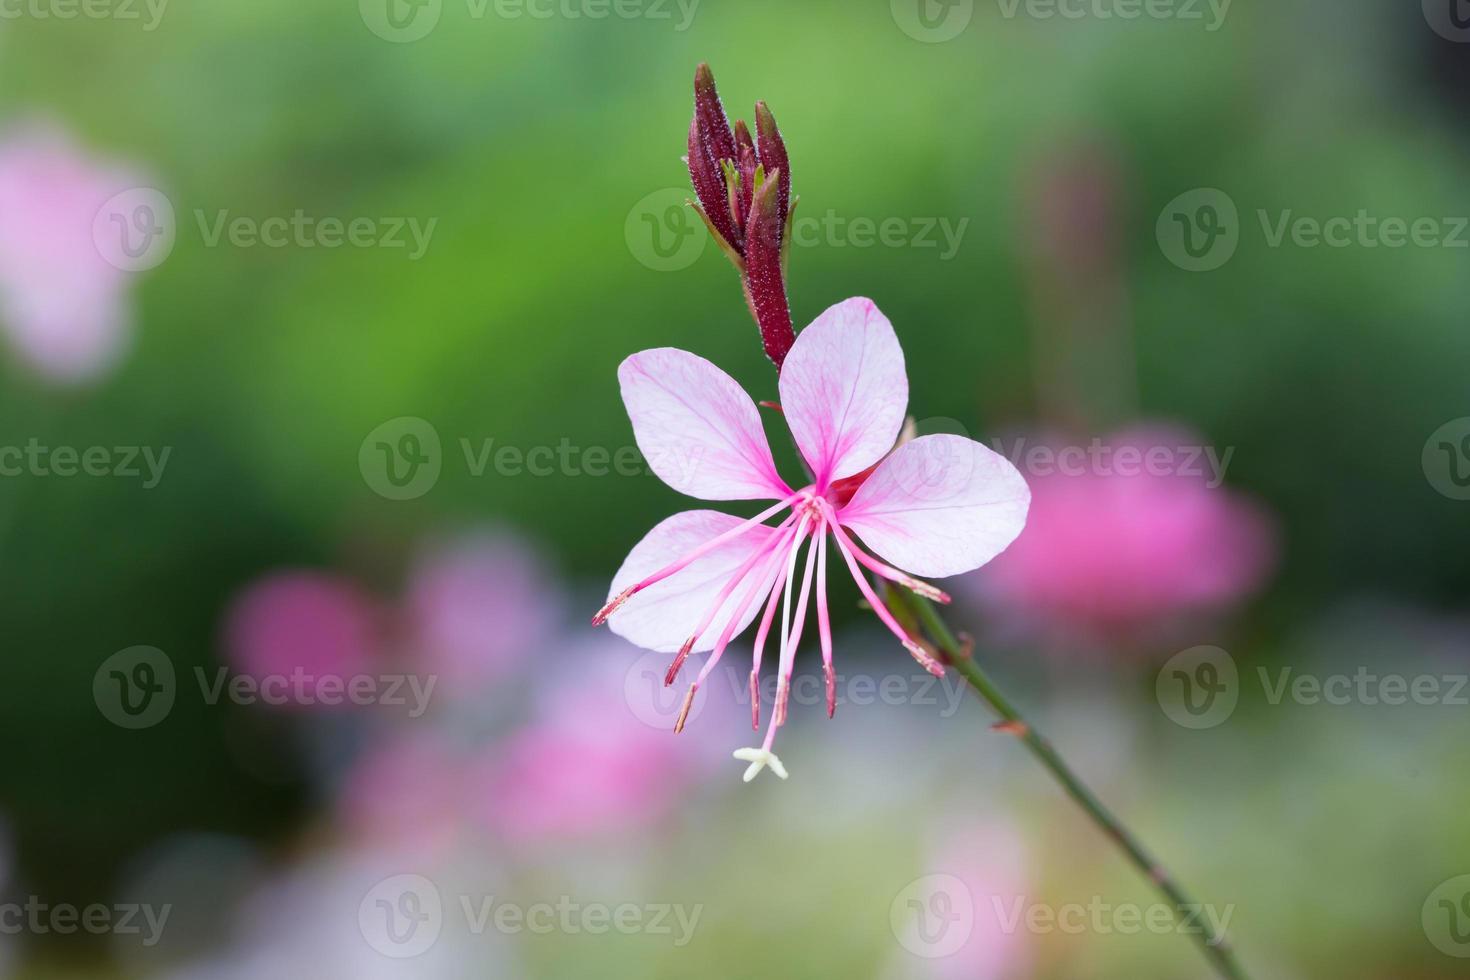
[292, 631]
[936, 506]
[479, 605]
[404, 790]
[990, 863]
[1115, 554]
[61, 302]
[584, 767]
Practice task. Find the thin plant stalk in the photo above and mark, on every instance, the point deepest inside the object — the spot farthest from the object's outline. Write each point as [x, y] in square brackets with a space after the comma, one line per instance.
[1215, 946]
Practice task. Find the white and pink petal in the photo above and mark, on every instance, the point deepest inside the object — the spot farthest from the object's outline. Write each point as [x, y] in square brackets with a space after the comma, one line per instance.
[698, 429]
[844, 390]
[662, 616]
[939, 505]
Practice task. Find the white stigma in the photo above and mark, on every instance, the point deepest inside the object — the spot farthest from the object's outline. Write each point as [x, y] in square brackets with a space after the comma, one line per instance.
[759, 759]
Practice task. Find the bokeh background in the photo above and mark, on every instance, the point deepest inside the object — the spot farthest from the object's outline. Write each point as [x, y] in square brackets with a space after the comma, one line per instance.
[1078, 159]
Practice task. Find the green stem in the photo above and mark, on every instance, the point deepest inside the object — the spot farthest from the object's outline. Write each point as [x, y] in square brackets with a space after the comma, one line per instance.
[1213, 944]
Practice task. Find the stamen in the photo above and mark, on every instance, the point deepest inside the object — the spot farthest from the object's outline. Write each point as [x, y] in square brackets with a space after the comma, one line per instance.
[824, 626]
[679, 659]
[778, 589]
[925, 659]
[914, 585]
[759, 585]
[613, 604]
[788, 652]
[882, 610]
[773, 543]
[684, 562]
[755, 700]
[684, 711]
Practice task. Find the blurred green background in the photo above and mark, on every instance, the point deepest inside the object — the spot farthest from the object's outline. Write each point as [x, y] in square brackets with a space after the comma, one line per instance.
[532, 141]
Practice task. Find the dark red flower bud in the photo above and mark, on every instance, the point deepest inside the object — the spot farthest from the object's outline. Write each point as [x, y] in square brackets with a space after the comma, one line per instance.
[746, 168]
[709, 187]
[772, 153]
[714, 125]
[765, 285]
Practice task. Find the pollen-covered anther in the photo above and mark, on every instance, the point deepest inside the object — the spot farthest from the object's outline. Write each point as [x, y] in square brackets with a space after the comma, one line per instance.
[613, 604]
[925, 659]
[678, 663]
[930, 592]
[783, 692]
[755, 701]
[684, 711]
[831, 690]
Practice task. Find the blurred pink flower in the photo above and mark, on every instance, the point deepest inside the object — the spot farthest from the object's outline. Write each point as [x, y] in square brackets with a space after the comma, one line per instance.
[992, 863]
[304, 626]
[478, 606]
[62, 304]
[590, 763]
[404, 790]
[1118, 549]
